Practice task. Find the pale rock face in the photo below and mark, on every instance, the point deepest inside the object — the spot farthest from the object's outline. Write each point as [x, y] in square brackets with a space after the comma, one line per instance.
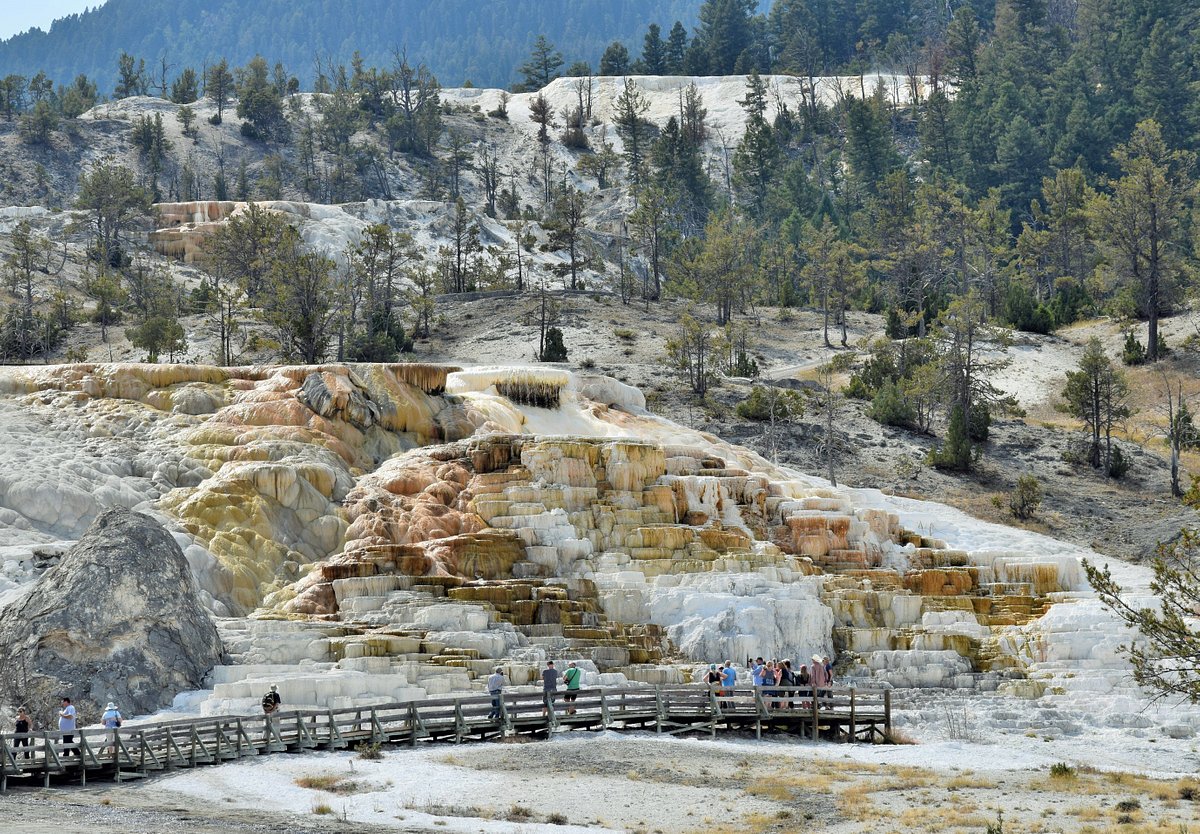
[117, 618]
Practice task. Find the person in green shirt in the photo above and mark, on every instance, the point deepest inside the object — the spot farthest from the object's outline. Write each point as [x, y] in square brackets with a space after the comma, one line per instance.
[572, 677]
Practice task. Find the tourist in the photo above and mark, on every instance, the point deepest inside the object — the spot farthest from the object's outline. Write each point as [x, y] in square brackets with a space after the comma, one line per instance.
[787, 678]
[23, 726]
[803, 680]
[756, 671]
[572, 678]
[828, 670]
[495, 685]
[714, 676]
[66, 726]
[820, 678]
[111, 719]
[271, 701]
[550, 677]
[768, 679]
[728, 681]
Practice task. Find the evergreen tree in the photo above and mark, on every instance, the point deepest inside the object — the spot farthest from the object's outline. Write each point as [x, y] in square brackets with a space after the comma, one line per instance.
[676, 49]
[615, 60]
[260, 103]
[111, 193]
[757, 156]
[186, 88]
[218, 86]
[131, 76]
[725, 33]
[654, 52]
[630, 109]
[1141, 223]
[870, 151]
[543, 65]
[1096, 395]
[1162, 93]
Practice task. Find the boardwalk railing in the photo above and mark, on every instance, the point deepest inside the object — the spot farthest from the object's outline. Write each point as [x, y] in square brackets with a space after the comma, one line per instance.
[134, 752]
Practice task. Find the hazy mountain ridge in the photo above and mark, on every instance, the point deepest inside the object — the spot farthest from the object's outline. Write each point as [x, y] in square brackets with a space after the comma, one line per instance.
[458, 39]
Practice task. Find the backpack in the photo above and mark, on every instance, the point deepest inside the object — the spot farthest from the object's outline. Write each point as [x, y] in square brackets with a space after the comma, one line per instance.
[268, 702]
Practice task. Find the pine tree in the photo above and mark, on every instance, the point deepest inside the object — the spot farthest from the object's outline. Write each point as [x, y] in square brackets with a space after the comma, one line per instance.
[218, 85]
[676, 49]
[1141, 222]
[1162, 91]
[185, 88]
[654, 52]
[630, 109]
[543, 65]
[131, 76]
[615, 60]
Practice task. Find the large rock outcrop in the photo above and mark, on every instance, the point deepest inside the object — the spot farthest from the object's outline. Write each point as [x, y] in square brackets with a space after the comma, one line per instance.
[118, 618]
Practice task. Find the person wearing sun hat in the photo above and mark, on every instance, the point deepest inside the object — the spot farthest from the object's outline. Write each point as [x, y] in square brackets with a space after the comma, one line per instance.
[820, 678]
[111, 719]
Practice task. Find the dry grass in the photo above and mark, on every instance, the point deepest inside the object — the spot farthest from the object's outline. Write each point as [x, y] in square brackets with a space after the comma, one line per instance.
[970, 781]
[855, 803]
[330, 783]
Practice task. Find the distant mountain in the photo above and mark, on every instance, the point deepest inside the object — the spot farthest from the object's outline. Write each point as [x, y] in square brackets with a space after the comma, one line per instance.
[480, 40]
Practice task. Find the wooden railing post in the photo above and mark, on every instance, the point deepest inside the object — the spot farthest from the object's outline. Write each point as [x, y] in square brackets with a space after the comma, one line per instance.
[816, 732]
[852, 728]
[887, 714]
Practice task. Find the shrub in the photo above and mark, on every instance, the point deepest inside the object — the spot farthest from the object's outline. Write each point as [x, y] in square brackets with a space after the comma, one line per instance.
[955, 453]
[555, 350]
[519, 813]
[1189, 792]
[1023, 314]
[557, 819]
[980, 423]
[1133, 353]
[369, 750]
[996, 827]
[625, 334]
[1117, 466]
[322, 809]
[868, 379]
[765, 403]
[1128, 806]
[890, 407]
[1025, 500]
[587, 363]
[1061, 770]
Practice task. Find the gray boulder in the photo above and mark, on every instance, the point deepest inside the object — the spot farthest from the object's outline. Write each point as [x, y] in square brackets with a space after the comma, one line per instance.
[118, 618]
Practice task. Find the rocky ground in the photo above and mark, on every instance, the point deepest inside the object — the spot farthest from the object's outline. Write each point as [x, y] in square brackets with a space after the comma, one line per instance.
[636, 784]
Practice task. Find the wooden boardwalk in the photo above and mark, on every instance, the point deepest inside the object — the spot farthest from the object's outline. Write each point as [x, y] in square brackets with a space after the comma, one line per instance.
[138, 751]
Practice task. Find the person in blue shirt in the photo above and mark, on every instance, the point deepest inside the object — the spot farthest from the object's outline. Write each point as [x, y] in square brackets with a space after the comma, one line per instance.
[728, 680]
[756, 671]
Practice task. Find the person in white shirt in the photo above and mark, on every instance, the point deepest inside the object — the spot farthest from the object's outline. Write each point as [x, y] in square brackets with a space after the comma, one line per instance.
[66, 726]
[495, 683]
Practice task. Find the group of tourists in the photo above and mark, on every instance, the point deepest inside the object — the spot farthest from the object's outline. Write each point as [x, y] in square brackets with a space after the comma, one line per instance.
[764, 673]
[572, 678]
[68, 721]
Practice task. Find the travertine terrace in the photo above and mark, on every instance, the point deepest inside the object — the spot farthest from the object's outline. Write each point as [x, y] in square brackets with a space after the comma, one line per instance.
[379, 532]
